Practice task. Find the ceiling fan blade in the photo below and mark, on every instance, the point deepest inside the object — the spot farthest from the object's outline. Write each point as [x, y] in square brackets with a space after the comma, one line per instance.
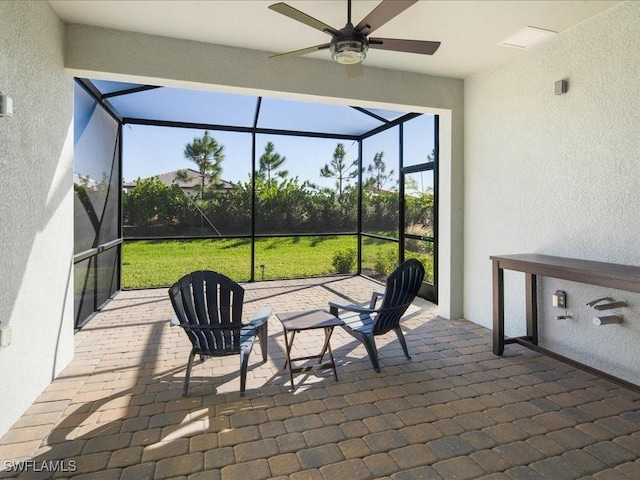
[354, 70]
[382, 14]
[411, 46]
[302, 17]
[302, 51]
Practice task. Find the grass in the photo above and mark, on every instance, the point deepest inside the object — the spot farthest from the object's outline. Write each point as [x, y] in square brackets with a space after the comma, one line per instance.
[148, 264]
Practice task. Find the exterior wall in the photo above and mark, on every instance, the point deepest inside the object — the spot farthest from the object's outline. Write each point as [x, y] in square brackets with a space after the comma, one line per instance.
[36, 237]
[115, 55]
[558, 175]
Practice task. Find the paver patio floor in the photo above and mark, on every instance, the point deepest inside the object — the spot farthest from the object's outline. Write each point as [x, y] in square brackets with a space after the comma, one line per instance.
[454, 411]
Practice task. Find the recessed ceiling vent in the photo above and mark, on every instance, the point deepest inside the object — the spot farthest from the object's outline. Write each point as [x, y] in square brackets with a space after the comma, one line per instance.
[527, 37]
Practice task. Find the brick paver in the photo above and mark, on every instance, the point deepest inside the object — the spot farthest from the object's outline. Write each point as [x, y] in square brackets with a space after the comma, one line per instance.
[284, 464]
[413, 456]
[381, 465]
[177, 466]
[318, 456]
[558, 468]
[354, 469]
[461, 468]
[454, 411]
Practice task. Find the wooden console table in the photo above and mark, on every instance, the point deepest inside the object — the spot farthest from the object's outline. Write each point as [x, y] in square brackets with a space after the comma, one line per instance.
[620, 277]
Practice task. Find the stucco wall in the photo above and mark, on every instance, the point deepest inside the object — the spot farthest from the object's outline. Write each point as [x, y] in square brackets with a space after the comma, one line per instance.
[111, 54]
[559, 175]
[36, 235]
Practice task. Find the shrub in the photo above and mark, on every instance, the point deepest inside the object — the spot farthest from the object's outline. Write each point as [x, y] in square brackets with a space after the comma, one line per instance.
[386, 262]
[427, 262]
[344, 260]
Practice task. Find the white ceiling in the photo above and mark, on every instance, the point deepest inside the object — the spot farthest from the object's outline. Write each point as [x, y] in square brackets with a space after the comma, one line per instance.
[469, 30]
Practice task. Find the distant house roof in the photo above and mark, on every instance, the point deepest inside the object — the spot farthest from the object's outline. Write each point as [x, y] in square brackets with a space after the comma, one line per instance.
[382, 191]
[190, 183]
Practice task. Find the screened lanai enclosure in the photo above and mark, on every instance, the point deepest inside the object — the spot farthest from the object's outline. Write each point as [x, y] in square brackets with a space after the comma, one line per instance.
[170, 180]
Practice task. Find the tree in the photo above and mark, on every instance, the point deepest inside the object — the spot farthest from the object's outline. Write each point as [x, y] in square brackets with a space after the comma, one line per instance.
[419, 203]
[377, 170]
[339, 169]
[208, 155]
[432, 156]
[270, 162]
[151, 202]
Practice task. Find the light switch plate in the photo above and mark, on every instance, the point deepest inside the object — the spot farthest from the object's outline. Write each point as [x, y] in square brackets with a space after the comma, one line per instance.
[559, 299]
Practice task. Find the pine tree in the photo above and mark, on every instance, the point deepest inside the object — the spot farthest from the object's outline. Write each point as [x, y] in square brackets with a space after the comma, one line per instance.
[208, 155]
[339, 169]
[378, 170]
[270, 163]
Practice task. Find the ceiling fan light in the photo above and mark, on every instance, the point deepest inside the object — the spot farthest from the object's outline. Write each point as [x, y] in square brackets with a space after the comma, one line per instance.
[349, 52]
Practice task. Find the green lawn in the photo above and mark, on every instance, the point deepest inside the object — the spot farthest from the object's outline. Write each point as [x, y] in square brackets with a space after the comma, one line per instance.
[160, 263]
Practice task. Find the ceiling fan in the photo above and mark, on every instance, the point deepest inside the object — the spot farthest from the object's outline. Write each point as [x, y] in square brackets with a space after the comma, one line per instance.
[349, 45]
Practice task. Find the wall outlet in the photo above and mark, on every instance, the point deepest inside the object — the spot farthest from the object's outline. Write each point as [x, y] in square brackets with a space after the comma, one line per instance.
[559, 299]
[5, 335]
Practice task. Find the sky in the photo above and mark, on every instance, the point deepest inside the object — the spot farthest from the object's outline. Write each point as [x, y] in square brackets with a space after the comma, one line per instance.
[152, 150]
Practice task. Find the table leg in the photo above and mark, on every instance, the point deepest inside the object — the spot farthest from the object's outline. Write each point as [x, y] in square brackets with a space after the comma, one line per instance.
[327, 348]
[327, 337]
[498, 309]
[531, 294]
[287, 362]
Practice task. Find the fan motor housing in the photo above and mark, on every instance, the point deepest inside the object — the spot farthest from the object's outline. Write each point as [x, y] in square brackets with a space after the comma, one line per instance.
[349, 47]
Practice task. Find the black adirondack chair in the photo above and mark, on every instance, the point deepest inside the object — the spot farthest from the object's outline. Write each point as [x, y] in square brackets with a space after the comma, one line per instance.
[208, 306]
[364, 323]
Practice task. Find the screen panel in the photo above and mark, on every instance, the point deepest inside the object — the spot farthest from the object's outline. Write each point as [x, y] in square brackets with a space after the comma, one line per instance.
[419, 203]
[96, 174]
[380, 202]
[84, 282]
[97, 180]
[305, 185]
[419, 140]
[307, 256]
[193, 106]
[379, 257]
[167, 193]
[314, 117]
[157, 263]
[423, 251]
